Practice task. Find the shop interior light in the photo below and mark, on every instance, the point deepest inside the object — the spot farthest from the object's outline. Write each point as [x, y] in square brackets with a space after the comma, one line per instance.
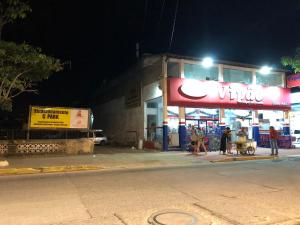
[265, 70]
[207, 62]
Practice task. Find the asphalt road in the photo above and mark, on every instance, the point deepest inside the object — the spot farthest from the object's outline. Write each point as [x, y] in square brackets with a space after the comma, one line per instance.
[249, 192]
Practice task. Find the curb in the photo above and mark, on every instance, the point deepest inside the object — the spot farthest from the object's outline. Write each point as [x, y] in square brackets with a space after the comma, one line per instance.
[72, 168]
[245, 158]
[51, 169]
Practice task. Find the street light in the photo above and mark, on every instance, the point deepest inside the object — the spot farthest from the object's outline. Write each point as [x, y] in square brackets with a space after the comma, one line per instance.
[265, 70]
[207, 62]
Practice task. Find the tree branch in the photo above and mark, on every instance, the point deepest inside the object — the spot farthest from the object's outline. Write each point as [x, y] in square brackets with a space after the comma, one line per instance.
[20, 92]
[2, 84]
[14, 81]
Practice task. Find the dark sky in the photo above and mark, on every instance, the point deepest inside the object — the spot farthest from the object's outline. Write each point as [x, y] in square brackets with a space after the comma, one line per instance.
[99, 37]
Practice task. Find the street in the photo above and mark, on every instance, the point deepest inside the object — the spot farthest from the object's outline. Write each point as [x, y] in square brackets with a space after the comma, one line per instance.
[248, 192]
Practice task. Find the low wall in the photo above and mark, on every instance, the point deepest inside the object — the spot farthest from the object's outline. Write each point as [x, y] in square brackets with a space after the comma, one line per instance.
[38, 146]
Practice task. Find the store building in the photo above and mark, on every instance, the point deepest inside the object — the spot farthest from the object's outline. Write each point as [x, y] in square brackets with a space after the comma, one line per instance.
[162, 96]
[293, 82]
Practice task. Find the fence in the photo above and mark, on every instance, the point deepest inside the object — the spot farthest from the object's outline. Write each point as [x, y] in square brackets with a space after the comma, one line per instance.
[17, 134]
[22, 142]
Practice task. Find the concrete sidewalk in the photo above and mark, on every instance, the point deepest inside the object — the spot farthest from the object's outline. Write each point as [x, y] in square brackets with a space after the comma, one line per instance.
[124, 158]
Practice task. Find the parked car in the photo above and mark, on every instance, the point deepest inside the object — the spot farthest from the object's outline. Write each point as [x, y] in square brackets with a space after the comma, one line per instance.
[98, 137]
[296, 143]
[296, 133]
[295, 138]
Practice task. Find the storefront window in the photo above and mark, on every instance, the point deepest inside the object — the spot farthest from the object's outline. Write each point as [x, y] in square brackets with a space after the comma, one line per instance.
[173, 69]
[205, 119]
[269, 80]
[173, 123]
[198, 72]
[270, 118]
[154, 120]
[237, 76]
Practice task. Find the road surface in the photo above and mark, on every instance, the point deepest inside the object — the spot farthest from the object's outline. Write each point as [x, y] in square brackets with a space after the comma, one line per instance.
[249, 192]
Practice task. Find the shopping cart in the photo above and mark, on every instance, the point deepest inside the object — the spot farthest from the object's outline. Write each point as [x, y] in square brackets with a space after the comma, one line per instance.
[245, 147]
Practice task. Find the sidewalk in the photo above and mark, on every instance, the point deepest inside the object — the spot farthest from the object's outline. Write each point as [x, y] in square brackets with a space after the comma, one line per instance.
[123, 158]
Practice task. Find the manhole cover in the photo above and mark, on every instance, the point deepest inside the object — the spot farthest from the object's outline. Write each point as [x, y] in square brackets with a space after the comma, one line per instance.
[171, 217]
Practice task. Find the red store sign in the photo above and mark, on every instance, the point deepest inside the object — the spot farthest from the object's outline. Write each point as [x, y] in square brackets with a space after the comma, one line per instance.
[213, 94]
[293, 80]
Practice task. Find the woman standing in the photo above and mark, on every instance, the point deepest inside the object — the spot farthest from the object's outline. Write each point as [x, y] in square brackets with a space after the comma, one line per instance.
[200, 142]
[223, 142]
[194, 140]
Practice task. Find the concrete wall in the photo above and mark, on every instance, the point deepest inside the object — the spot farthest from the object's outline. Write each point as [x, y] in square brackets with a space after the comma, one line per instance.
[38, 146]
[122, 124]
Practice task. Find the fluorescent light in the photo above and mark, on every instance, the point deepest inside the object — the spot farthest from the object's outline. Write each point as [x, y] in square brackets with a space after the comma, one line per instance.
[207, 62]
[265, 70]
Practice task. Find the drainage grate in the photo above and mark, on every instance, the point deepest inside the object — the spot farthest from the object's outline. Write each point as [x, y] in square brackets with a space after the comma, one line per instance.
[171, 217]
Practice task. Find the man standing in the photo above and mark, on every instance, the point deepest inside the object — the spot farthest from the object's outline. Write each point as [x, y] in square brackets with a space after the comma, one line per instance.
[273, 140]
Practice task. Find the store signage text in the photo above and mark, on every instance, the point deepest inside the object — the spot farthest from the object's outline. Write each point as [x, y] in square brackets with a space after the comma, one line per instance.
[241, 94]
[194, 93]
[41, 117]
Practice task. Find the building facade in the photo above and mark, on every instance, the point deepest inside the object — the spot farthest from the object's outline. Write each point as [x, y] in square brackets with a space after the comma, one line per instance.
[163, 96]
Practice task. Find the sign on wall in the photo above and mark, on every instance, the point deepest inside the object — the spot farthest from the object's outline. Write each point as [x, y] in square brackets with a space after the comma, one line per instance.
[213, 94]
[58, 118]
[293, 80]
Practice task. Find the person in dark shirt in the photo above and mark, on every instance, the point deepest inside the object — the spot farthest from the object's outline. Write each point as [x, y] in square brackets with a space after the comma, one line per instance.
[223, 142]
[273, 140]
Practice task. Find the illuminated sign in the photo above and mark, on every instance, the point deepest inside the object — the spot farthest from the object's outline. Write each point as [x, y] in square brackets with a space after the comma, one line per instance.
[213, 94]
[58, 118]
[293, 80]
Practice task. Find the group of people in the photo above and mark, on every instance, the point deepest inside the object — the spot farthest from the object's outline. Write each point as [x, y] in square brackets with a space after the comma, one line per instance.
[198, 140]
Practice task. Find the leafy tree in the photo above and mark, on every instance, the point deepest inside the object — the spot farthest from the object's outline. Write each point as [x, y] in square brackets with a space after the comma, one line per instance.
[21, 67]
[10, 10]
[293, 62]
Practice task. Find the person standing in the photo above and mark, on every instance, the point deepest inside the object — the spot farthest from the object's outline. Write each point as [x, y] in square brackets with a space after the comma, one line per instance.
[200, 140]
[229, 141]
[223, 142]
[273, 140]
[194, 140]
[242, 134]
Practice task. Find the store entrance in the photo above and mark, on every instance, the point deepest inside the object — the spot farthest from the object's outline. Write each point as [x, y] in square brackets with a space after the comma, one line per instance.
[209, 128]
[207, 125]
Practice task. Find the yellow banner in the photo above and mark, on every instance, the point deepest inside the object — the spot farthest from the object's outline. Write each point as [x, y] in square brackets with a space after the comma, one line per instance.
[43, 117]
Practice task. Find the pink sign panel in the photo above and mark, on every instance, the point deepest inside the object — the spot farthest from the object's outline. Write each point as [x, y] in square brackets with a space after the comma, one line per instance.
[213, 94]
[293, 80]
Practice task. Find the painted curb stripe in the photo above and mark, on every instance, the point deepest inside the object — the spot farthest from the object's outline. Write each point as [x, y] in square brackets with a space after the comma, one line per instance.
[53, 169]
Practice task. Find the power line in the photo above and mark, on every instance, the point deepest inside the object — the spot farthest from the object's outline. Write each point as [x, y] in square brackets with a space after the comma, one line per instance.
[173, 28]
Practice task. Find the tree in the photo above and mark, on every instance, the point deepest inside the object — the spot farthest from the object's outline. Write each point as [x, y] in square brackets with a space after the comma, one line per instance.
[21, 67]
[10, 10]
[293, 62]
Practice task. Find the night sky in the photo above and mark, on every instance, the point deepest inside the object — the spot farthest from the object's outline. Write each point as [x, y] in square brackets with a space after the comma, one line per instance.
[98, 37]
